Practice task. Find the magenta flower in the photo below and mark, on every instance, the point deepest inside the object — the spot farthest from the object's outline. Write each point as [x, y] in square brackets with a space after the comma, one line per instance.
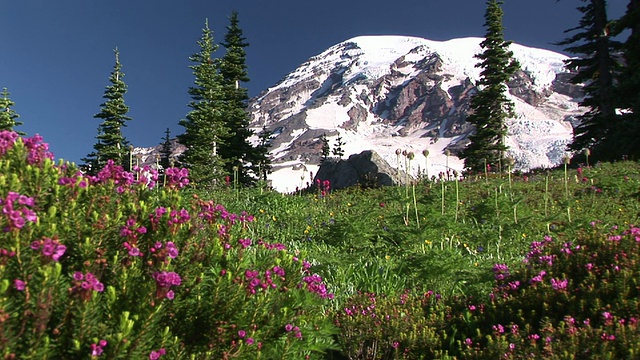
[50, 248]
[172, 250]
[7, 139]
[245, 243]
[155, 355]
[242, 333]
[558, 284]
[97, 349]
[19, 284]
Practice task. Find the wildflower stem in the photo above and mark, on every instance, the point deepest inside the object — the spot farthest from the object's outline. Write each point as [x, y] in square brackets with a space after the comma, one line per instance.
[415, 205]
[457, 199]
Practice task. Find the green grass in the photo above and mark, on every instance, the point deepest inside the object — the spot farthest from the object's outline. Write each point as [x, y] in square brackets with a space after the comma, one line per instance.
[360, 240]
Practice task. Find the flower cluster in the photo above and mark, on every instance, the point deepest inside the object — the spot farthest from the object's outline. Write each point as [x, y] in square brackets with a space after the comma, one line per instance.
[131, 232]
[155, 355]
[163, 252]
[176, 178]
[164, 281]
[315, 285]
[154, 217]
[115, 173]
[323, 186]
[5, 255]
[38, 150]
[51, 248]
[7, 139]
[85, 284]
[16, 209]
[177, 217]
[294, 330]
[78, 179]
[500, 271]
[98, 349]
[245, 243]
[146, 176]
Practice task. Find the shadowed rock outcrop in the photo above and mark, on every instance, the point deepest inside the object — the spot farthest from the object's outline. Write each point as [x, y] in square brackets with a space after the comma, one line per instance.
[364, 169]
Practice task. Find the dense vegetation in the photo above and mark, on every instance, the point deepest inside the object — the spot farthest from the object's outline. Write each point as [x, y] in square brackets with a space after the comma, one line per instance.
[132, 265]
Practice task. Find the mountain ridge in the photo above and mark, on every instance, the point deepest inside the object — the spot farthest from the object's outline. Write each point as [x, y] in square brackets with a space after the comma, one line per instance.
[391, 92]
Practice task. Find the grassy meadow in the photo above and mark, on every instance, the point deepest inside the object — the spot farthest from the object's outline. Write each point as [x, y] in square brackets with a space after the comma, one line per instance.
[137, 265]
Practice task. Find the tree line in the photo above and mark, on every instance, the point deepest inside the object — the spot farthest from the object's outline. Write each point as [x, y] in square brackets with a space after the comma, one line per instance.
[608, 69]
[216, 129]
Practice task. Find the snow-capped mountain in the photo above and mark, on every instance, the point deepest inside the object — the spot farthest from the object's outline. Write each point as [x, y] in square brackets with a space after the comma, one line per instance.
[385, 93]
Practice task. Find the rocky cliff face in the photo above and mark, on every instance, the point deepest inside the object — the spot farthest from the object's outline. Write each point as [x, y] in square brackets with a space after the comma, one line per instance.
[387, 92]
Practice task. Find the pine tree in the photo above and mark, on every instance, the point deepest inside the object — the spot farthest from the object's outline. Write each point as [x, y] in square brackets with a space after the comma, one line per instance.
[326, 149]
[491, 106]
[595, 69]
[205, 127]
[337, 149]
[261, 156]
[165, 150]
[238, 151]
[8, 116]
[628, 89]
[111, 144]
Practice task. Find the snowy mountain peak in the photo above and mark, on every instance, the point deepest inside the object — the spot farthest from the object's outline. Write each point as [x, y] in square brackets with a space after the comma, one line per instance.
[387, 92]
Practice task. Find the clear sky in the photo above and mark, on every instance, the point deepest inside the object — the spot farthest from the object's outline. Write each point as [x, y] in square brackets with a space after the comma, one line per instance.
[56, 56]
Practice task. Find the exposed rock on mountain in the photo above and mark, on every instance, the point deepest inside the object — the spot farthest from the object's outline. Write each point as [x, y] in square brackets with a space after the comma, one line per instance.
[385, 93]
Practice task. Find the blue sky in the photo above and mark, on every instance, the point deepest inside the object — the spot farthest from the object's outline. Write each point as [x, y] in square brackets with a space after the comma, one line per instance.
[56, 56]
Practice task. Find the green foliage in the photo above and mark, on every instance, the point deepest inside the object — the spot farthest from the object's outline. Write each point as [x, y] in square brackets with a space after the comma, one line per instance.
[596, 68]
[8, 116]
[111, 144]
[205, 125]
[491, 106]
[109, 266]
[89, 265]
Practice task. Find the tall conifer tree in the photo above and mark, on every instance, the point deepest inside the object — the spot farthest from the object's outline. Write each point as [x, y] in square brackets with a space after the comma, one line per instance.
[627, 134]
[262, 157]
[238, 151]
[111, 144]
[165, 150]
[8, 116]
[491, 106]
[596, 68]
[205, 127]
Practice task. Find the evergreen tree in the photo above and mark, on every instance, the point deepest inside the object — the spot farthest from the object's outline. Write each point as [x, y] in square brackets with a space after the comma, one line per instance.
[165, 150]
[595, 69]
[8, 116]
[205, 126]
[238, 152]
[326, 149]
[491, 106]
[628, 88]
[338, 150]
[111, 144]
[261, 156]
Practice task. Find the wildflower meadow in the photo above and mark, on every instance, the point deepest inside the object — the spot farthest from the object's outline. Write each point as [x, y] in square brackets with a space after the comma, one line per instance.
[142, 265]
